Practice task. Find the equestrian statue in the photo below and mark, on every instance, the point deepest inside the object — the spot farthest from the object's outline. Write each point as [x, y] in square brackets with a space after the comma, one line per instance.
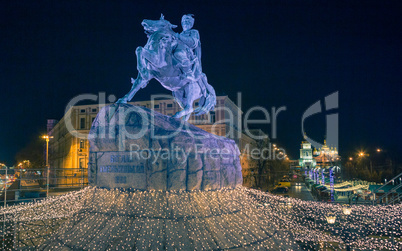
[175, 61]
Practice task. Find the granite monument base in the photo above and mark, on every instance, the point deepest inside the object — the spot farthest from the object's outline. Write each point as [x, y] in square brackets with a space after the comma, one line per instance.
[134, 147]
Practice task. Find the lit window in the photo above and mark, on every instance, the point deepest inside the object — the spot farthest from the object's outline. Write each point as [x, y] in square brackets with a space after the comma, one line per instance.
[82, 144]
[82, 123]
[212, 116]
[82, 163]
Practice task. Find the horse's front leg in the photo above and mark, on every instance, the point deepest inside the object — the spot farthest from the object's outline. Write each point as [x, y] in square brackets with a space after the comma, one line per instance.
[187, 117]
[138, 83]
[188, 109]
[142, 54]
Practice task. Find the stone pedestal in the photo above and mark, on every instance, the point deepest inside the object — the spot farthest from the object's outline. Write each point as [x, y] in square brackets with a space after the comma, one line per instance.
[133, 147]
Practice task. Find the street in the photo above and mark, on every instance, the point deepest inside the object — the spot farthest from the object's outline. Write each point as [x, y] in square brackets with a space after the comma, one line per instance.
[300, 191]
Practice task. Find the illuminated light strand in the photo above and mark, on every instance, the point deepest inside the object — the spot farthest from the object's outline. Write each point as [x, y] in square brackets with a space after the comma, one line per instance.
[95, 218]
[358, 187]
[353, 230]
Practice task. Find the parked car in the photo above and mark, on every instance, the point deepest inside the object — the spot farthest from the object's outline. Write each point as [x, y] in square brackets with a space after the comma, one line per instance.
[280, 190]
[325, 195]
[284, 184]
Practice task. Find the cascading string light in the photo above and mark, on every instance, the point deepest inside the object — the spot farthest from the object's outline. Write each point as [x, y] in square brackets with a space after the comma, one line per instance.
[368, 227]
[96, 218]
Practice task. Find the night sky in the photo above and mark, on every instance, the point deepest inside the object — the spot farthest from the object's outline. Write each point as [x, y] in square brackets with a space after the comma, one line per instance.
[276, 53]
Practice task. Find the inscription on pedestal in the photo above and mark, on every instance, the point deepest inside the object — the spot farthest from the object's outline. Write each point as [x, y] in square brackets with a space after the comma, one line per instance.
[121, 170]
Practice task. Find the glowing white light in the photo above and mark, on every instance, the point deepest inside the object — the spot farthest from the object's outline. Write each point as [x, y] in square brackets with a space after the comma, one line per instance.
[94, 218]
[347, 210]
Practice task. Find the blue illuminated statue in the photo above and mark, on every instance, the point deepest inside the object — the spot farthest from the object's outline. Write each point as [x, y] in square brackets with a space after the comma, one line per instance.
[175, 61]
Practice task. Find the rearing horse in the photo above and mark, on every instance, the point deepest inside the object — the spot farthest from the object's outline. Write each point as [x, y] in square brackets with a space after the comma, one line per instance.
[156, 60]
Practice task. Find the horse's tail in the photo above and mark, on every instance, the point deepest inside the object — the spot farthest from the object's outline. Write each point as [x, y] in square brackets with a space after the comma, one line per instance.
[208, 98]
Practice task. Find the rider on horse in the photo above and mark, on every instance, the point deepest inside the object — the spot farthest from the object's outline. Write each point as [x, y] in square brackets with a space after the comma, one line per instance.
[175, 61]
[188, 53]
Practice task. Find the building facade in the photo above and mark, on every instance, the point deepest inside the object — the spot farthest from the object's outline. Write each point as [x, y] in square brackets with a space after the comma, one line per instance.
[326, 156]
[306, 160]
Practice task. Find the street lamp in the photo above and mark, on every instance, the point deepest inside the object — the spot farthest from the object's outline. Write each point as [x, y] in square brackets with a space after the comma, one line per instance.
[289, 204]
[363, 154]
[26, 161]
[347, 210]
[331, 219]
[47, 138]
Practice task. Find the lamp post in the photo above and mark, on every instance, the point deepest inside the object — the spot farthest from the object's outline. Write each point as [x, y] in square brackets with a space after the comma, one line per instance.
[331, 219]
[47, 138]
[377, 152]
[347, 210]
[27, 161]
[289, 204]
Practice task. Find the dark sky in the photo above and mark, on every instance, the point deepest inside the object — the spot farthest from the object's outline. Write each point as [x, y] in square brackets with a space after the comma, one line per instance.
[276, 53]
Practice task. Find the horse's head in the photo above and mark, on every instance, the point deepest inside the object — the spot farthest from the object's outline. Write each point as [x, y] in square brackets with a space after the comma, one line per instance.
[151, 26]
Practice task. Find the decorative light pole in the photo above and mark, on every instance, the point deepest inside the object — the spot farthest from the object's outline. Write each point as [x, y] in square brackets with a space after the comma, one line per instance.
[5, 189]
[47, 138]
[347, 210]
[331, 219]
[289, 204]
[27, 161]
[331, 183]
